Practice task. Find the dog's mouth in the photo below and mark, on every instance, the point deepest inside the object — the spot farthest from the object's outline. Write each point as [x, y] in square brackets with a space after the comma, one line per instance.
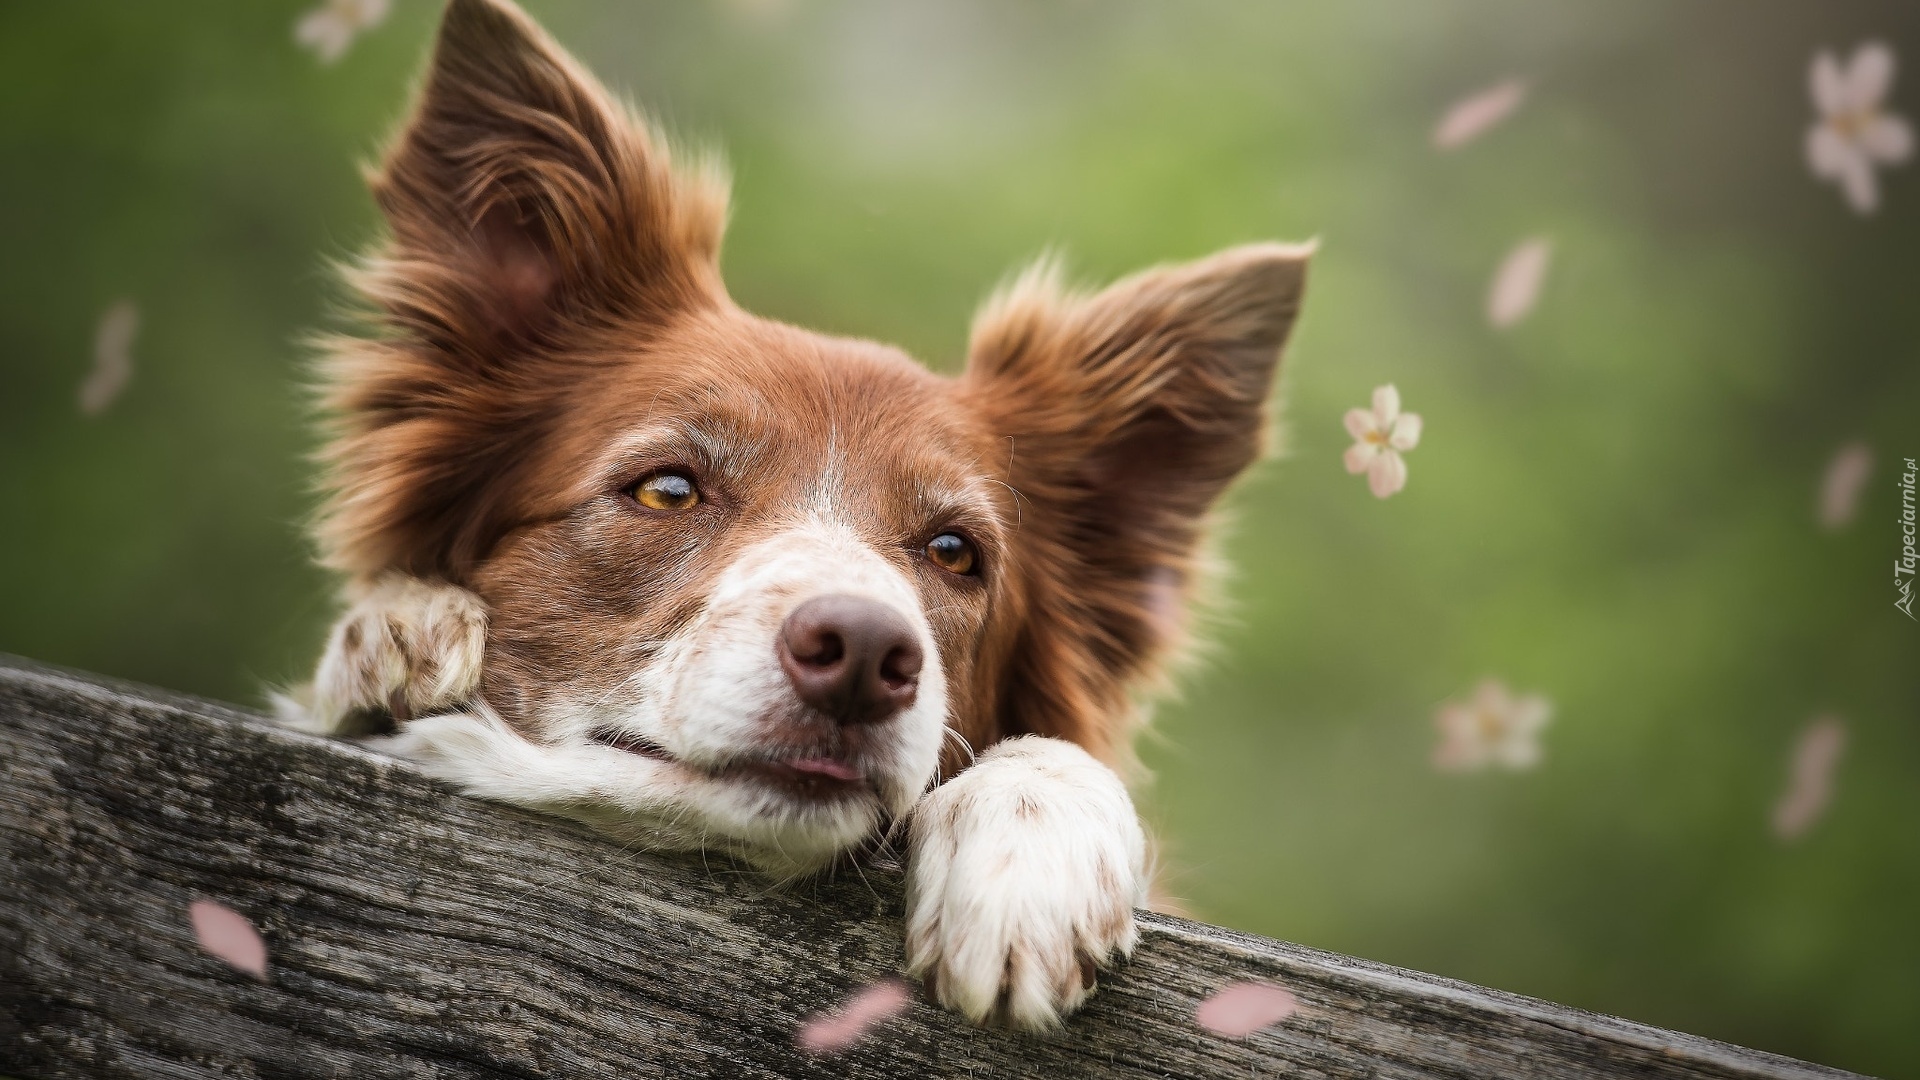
[814, 778]
[631, 744]
[807, 775]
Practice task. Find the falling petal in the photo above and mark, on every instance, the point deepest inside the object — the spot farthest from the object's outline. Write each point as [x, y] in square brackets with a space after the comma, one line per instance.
[860, 1013]
[1516, 284]
[1840, 489]
[112, 357]
[1810, 778]
[1476, 114]
[226, 934]
[1242, 1008]
[331, 27]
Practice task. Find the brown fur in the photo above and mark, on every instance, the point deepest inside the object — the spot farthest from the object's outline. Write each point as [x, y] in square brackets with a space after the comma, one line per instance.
[551, 325]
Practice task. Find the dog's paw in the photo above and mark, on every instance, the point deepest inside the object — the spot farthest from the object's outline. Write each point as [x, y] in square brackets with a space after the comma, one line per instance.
[1022, 880]
[406, 648]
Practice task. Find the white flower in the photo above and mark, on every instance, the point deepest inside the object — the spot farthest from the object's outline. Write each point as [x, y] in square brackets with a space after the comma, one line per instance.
[1494, 728]
[1855, 133]
[1380, 436]
[331, 27]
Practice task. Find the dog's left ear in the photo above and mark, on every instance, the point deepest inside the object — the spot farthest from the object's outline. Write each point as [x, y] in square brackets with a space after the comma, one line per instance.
[529, 212]
[1127, 413]
[521, 193]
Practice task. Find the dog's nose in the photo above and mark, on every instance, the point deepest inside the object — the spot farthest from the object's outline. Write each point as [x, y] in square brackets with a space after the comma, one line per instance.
[855, 659]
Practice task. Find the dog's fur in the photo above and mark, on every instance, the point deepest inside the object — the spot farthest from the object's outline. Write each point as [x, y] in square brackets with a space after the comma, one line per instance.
[551, 327]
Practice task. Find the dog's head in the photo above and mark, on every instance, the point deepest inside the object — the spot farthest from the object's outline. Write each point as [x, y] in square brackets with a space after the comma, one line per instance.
[752, 578]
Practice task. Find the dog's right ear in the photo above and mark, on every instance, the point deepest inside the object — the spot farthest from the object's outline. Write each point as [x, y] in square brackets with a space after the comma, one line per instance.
[528, 212]
[521, 196]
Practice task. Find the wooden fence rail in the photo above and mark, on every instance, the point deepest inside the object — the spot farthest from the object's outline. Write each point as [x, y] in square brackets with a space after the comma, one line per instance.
[415, 933]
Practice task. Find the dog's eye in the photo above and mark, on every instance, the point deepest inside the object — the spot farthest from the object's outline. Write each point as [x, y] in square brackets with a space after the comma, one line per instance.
[951, 552]
[666, 491]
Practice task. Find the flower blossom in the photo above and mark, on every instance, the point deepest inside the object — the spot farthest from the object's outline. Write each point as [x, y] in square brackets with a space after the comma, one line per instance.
[1380, 436]
[331, 27]
[1493, 728]
[1855, 134]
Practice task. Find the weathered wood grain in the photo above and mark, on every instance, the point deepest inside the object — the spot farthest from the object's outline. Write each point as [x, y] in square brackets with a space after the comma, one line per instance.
[417, 933]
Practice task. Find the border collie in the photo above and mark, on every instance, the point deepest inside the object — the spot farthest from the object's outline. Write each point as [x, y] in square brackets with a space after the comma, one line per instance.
[619, 550]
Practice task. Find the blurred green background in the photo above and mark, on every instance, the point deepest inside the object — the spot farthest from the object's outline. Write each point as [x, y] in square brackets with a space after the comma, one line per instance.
[1613, 505]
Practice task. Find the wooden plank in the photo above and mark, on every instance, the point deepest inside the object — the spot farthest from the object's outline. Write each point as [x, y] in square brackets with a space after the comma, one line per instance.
[413, 932]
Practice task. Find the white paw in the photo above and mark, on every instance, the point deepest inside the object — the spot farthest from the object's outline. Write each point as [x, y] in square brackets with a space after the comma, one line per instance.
[405, 648]
[1021, 883]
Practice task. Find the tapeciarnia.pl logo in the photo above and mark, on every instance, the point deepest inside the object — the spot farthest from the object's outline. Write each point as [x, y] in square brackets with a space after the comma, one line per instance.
[1904, 565]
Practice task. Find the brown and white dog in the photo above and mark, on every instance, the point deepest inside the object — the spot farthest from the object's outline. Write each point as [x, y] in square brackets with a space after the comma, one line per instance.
[619, 550]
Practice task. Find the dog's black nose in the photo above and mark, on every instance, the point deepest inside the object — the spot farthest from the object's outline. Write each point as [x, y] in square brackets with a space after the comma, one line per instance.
[854, 659]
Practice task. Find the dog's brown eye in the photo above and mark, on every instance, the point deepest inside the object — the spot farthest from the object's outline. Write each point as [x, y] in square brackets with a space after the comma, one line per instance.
[666, 491]
[952, 553]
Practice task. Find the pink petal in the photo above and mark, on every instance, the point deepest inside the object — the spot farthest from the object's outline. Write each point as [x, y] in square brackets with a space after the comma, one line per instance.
[1887, 139]
[1517, 752]
[1828, 152]
[1453, 718]
[1458, 749]
[1458, 754]
[1359, 456]
[1387, 474]
[1828, 85]
[1242, 1008]
[1478, 113]
[1861, 186]
[1360, 424]
[226, 934]
[1386, 407]
[325, 32]
[1840, 487]
[1516, 284]
[1406, 432]
[860, 1013]
[1869, 76]
[1492, 696]
[1460, 745]
[1530, 714]
[112, 357]
[1810, 779]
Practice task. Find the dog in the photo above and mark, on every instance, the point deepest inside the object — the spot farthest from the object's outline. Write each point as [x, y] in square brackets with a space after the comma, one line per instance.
[618, 550]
